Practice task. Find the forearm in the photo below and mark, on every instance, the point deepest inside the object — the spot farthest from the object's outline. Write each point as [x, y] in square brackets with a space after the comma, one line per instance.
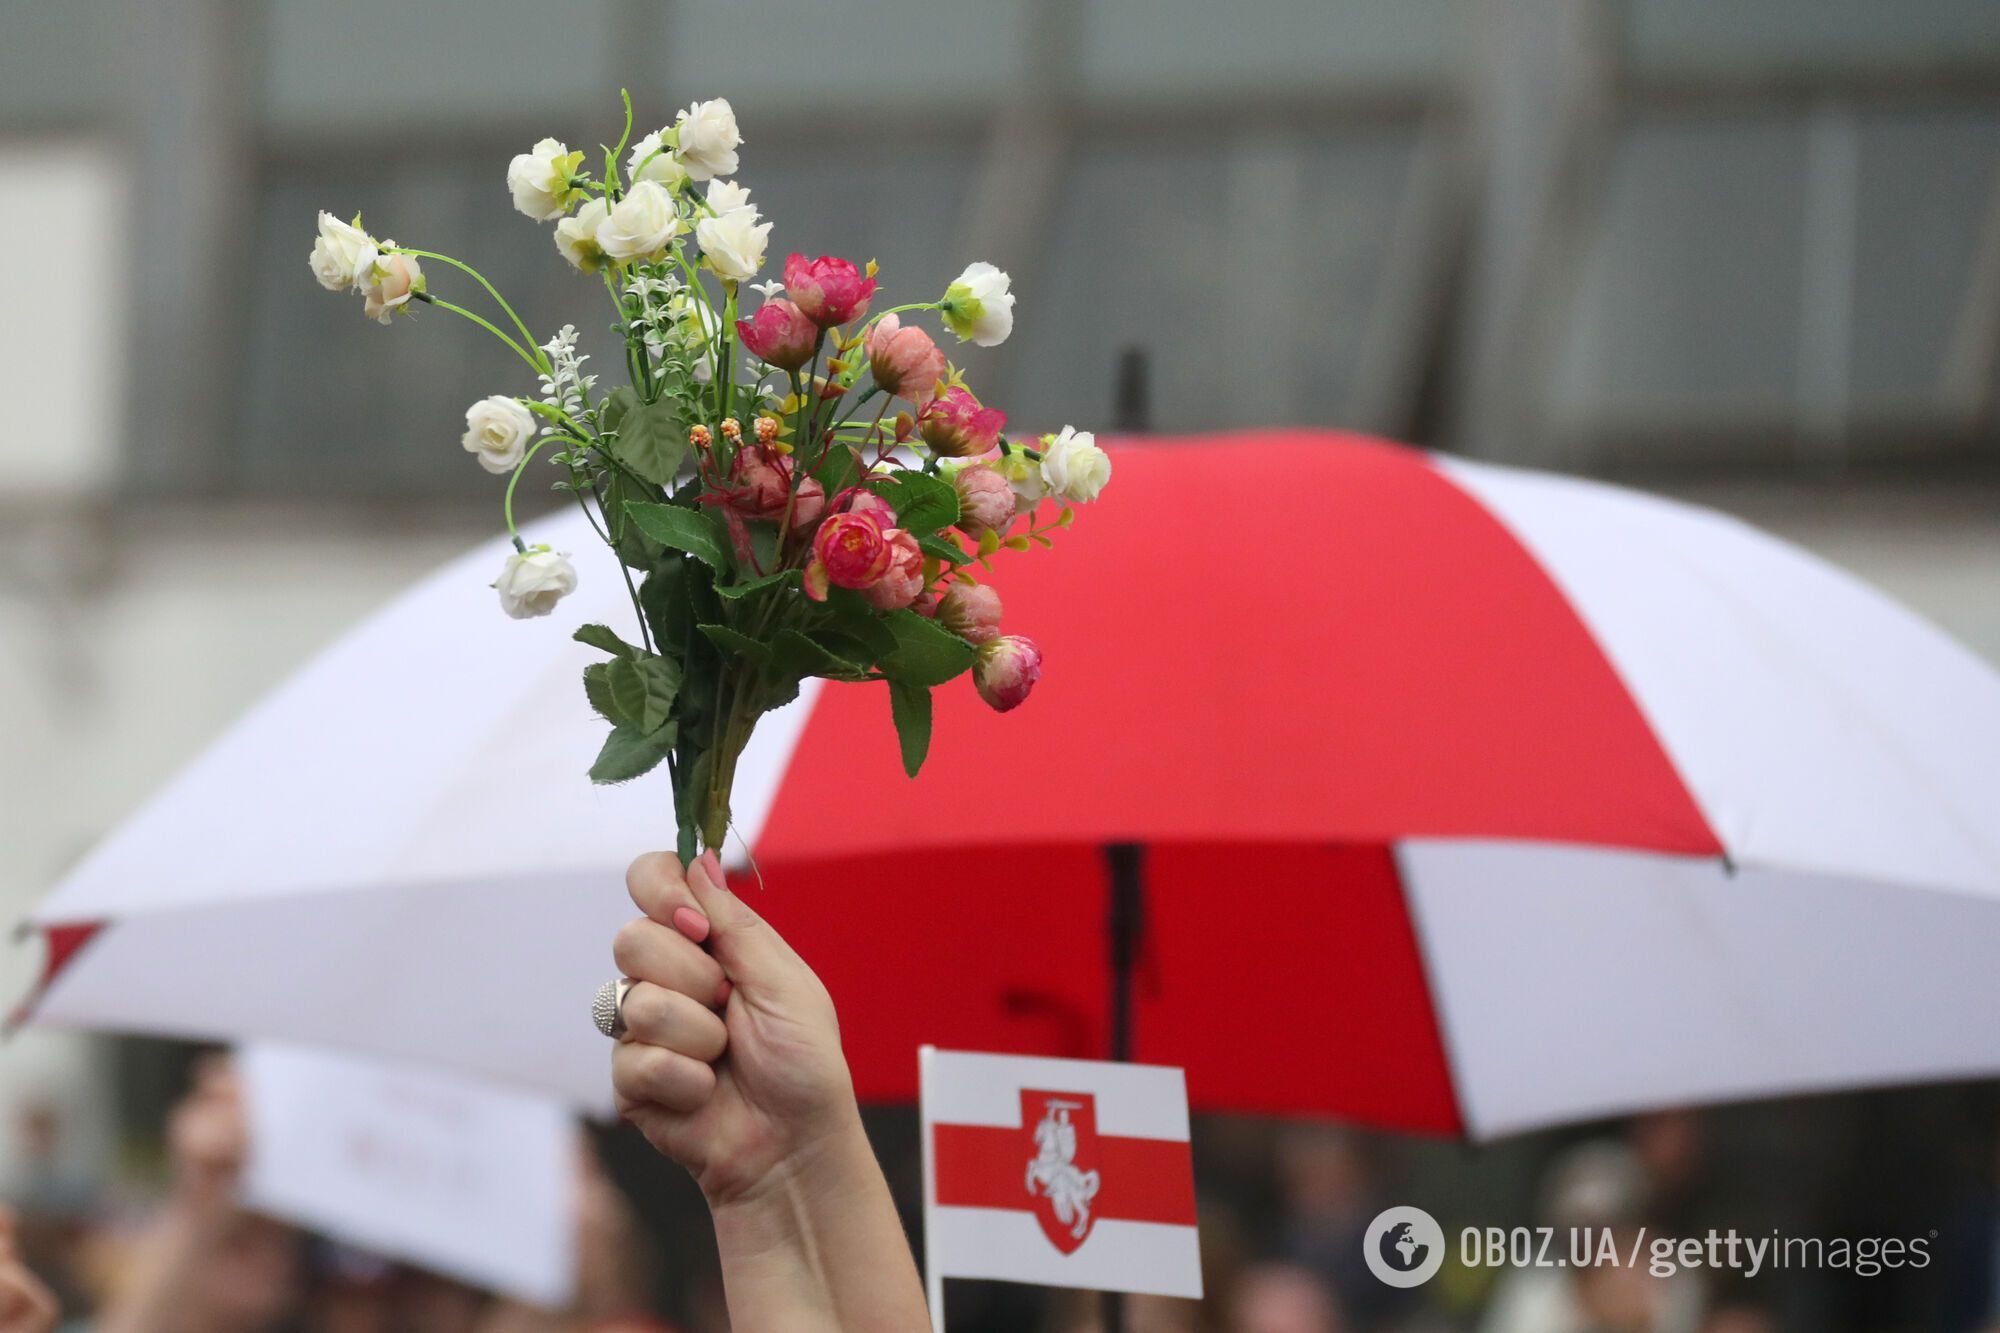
[819, 1248]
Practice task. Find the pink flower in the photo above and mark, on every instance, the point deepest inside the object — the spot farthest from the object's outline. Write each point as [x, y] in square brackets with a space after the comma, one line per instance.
[956, 426]
[761, 487]
[903, 581]
[971, 611]
[985, 500]
[850, 551]
[1005, 669]
[905, 362]
[779, 333]
[866, 502]
[830, 291]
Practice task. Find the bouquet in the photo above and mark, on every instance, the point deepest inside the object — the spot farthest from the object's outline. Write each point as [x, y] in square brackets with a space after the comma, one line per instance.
[800, 490]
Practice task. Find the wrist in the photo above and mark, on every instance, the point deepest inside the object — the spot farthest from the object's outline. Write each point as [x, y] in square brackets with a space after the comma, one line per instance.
[815, 1173]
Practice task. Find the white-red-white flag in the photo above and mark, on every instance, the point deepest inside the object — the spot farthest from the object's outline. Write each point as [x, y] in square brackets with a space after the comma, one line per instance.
[1066, 1173]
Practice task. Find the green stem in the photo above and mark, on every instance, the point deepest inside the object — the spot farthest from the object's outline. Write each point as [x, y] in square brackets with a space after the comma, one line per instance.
[507, 506]
[527, 338]
[533, 363]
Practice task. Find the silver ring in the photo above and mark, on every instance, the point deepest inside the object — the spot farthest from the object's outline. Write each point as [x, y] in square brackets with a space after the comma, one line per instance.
[607, 1007]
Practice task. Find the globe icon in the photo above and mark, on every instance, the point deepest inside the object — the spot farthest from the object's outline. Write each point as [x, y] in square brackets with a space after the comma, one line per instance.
[1400, 1247]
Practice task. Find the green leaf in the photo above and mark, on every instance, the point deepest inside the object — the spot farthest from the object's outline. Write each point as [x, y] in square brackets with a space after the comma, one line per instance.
[853, 616]
[643, 689]
[602, 636]
[945, 549]
[598, 690]
[628, 752]
[732, 641]
[682, 529]
[615, 406]
[651, 441]
[786, 577]
[923, 503]
[837, 469]
[910, 705]
[635, 548]
[796, 655]
[663, 598]
[926, 652]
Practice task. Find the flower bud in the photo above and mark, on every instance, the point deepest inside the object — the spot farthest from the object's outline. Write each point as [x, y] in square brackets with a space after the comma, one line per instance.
[971, 611]
[985, 500]
[1005, 669]
[779, 334]
[831, 291]
[904, 361]
[956, 426]
[533, 581]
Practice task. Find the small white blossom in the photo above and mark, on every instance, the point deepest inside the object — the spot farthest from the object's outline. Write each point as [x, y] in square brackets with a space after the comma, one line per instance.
[728, 196]
[497, 432]
[1073, 466]
[978, 306]
[566, 388]
[576, 236]
[341, 253]
[733, 244]
[641, 225]
[540, 179]
[650, 161]
[708, 139]
[533, 581]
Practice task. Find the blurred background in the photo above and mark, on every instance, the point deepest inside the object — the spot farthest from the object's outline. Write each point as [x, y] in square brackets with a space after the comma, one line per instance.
[1747, 254]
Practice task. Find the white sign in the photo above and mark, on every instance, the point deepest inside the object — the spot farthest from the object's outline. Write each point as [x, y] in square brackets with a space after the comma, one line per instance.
[1067, 1173]
[445, 1172]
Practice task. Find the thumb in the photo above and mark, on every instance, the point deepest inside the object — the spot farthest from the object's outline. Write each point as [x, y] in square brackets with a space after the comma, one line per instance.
[751, 953]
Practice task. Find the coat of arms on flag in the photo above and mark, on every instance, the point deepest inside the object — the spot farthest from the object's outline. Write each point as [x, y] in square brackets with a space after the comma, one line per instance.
[1069, 1173]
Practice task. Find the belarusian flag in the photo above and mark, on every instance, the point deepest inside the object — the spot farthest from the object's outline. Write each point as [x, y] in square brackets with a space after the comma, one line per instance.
[1067, 1173]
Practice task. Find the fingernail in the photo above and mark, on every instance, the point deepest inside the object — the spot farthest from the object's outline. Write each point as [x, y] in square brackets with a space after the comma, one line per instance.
[728, 987]
[712, 863]
[691, 923]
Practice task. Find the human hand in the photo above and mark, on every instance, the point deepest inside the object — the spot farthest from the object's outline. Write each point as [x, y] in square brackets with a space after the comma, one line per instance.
[208, 1135]
[736, 1097]
[26, 1305]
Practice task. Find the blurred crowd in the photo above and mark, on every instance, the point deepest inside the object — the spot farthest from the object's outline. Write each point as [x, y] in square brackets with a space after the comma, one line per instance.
[1285, 1207]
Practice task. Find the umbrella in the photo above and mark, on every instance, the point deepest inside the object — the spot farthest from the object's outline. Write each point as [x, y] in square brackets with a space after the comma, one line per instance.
[1363, 782]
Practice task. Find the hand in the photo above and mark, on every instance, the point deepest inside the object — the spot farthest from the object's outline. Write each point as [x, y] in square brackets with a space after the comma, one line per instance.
[208, 1136]
[26, 1306]
[734, 1097]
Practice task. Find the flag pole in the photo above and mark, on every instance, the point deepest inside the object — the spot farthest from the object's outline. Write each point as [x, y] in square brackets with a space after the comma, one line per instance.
[933, 1279]
[1132, 411]
[1125, 924]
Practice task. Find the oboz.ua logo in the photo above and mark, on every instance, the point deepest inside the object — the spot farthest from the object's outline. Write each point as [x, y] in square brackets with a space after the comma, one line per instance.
[1404, 1246]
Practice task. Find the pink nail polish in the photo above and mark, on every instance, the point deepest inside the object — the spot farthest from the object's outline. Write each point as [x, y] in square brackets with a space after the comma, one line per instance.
[712, 863]
[691, 923]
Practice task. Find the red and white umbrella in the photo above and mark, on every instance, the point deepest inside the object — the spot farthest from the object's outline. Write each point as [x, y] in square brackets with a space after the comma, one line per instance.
[1470, 799]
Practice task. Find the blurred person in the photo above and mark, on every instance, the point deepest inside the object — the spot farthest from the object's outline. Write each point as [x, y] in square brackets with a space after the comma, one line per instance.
[1597, 1187]
[729, 1062]
[1281, 1298]
[1739, 1318]
[26, 1303]
[204, 1265]
[1328, 1196]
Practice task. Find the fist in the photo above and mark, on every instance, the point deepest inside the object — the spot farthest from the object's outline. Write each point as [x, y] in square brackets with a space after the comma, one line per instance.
[730, 1063]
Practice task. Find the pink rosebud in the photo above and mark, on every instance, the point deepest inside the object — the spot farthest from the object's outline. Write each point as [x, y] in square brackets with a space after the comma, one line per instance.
[971, 611]
[985, 500]
[860, 501]
[956, 426]
[779, 333]
[1005, 669]
[905, 362]
[761, 487]
[830, 291]
[903, 581]
[850, 551]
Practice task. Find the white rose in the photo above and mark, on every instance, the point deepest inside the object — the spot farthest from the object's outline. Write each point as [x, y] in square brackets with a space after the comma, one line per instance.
[341, 253]
[576, 236]
[733, 244]
[388, 283]
[1025, 476]
[1074, 467]
[728, 196]
[708, 139]
[979, 306]
[533, 582]
[539, 179]
[641, 225]
[497, 431]
[649, 160]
